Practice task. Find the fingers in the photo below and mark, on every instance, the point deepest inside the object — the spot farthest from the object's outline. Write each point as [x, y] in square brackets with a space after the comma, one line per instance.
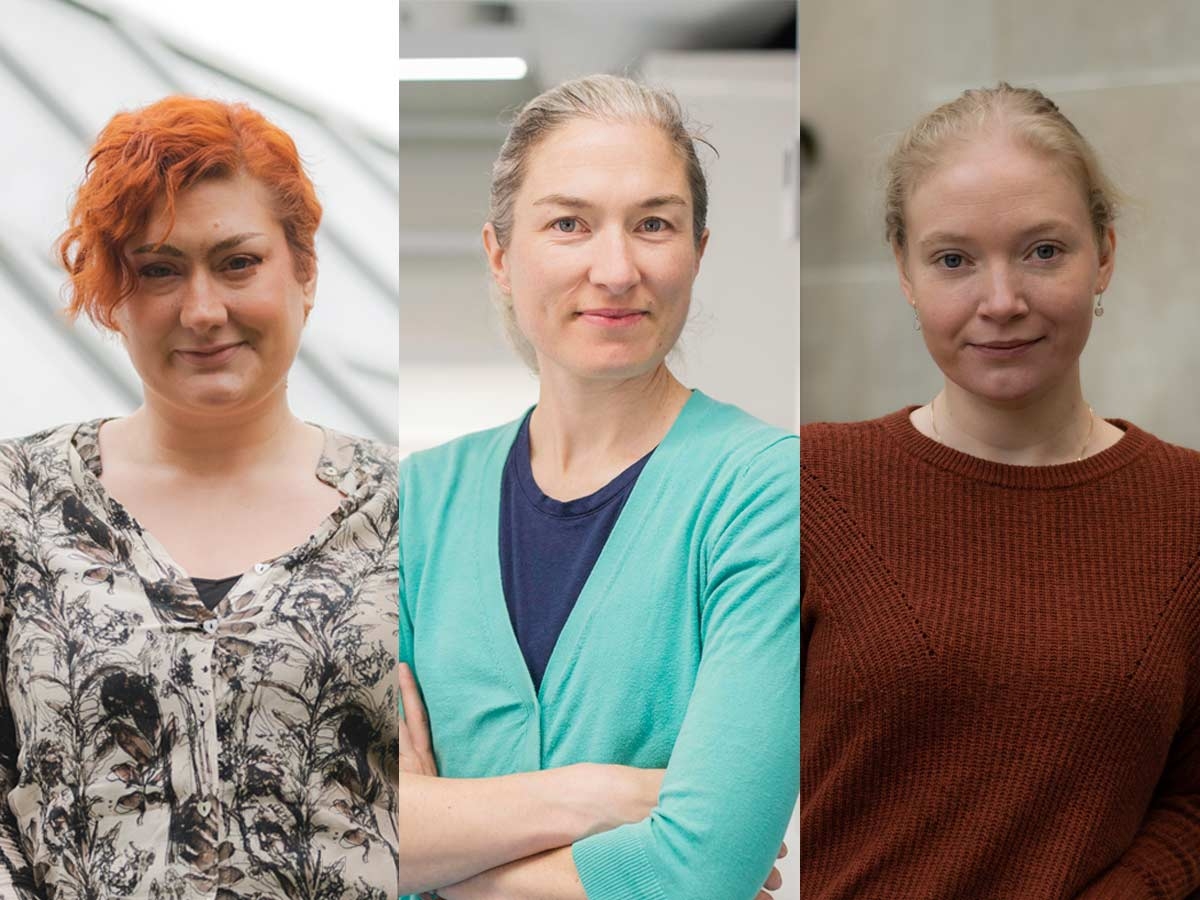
[782, 851]
[774, 881]
[762, 895]
[414, 713]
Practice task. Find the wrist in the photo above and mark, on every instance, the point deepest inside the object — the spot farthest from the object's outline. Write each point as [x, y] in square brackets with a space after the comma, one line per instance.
[608, 796]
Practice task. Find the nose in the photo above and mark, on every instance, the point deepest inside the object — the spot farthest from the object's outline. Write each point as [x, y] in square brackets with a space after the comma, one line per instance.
[1005, 297]
[202, 306]
[613, 265]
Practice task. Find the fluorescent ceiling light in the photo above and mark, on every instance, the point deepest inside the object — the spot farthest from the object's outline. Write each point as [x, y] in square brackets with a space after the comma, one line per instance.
[480, 68]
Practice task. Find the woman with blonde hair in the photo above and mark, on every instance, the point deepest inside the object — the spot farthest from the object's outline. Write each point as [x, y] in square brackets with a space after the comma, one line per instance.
[1001, 614]
[612, 578]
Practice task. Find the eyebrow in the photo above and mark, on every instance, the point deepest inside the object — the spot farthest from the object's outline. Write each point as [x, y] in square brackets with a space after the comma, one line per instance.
[579, 203]
[220, 247]
[950, 237]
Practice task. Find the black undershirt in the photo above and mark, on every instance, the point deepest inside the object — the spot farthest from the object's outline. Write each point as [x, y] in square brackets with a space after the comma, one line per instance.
[213, 590]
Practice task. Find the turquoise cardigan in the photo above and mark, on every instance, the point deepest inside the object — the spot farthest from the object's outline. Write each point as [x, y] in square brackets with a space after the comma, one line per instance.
[682, 650]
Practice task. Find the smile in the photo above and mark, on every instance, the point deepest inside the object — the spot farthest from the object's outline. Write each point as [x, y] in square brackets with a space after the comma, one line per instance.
[209, 357]
[612, 318]
[1004, 349]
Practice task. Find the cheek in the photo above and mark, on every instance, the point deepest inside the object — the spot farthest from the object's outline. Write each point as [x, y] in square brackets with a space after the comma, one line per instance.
[141, 327]
[543, 275]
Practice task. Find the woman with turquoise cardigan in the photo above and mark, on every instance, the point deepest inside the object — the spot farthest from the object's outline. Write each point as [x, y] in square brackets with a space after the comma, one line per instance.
[609, 586]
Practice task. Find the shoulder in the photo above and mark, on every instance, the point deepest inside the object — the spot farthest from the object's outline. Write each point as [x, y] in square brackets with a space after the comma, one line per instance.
[58, 436]
[373, 462]
[823, 441]
[42, 449]
[724, 437]
[1172, 463]
[459, 456]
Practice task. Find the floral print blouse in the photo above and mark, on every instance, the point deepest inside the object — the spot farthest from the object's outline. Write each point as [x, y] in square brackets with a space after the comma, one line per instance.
[152, 748]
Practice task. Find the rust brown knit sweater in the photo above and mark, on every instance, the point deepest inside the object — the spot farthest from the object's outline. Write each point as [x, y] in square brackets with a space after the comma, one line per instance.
[1001, 671]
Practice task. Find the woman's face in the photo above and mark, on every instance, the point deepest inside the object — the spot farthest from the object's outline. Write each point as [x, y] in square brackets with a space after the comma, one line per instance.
[601, 258]
[215, 320]
[1001, 266]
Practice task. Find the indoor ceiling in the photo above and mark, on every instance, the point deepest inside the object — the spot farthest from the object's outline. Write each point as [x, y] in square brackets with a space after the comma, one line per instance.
[561, 39]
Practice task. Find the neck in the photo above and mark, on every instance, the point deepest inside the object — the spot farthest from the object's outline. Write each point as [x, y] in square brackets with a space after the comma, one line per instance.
[581, 423]
[1057, 427]
[219, 444]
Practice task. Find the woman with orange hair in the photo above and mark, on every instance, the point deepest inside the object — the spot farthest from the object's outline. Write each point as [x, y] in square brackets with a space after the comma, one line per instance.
[197, 601]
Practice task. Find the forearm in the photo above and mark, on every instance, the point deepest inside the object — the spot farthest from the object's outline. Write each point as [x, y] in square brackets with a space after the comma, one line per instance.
[1162, 863]
[454, 828]
[546, 876]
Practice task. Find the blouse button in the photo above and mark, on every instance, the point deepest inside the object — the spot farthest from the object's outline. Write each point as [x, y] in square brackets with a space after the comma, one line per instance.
[210, 625]
[261, 567]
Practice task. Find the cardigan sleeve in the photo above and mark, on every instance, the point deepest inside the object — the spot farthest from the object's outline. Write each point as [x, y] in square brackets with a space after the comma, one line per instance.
[1163, 862]
[406, 630]
[733, 775]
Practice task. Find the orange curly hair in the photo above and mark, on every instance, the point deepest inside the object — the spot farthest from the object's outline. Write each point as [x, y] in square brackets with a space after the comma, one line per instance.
[146, 157]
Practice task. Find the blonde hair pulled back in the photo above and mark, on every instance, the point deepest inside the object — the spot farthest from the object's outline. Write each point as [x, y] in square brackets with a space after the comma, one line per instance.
[1026, 115]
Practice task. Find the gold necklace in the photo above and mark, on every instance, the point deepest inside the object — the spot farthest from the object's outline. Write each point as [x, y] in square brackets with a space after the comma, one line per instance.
[1082, 450]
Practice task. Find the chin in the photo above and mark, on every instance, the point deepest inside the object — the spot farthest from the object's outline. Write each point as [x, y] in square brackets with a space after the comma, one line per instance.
[616, 367]
[1007, 387]
[208, 398]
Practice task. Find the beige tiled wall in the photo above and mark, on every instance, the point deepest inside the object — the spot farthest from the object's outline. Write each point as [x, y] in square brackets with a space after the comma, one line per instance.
[1129, 79]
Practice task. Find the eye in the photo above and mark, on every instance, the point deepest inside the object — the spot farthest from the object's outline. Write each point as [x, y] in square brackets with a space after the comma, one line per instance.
[156, 270]
[242, 263]
[567, 225]
[951, 260]
[1045, 251]
[655, 225]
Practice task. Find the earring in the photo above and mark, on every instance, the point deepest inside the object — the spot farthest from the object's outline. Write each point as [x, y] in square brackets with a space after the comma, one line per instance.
[1099, 310]
[916, 320]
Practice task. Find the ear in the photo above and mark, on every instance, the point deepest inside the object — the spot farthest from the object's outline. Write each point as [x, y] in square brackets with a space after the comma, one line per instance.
[116, 323]
[309, 289]
[700, 248]
[1108, 259]
[497, 258]
[902, 271]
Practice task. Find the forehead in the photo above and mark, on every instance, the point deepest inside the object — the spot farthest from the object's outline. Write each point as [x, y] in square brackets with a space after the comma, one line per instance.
[214, 207]
[993, 183]
[604, 160]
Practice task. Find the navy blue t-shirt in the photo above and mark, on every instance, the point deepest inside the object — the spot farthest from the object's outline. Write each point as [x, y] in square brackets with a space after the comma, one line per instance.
[548, 549]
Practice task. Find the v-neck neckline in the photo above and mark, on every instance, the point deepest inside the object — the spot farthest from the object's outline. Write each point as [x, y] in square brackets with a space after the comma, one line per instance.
[645, 494]
[331, 470]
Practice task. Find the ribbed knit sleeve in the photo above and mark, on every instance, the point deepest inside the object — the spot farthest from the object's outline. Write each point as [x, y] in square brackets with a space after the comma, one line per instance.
[733, 775]
[1163, 861]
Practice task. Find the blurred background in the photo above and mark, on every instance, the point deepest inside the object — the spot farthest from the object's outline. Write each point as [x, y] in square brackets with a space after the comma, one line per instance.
[733, 65]
[66, 67]
[1129, 81]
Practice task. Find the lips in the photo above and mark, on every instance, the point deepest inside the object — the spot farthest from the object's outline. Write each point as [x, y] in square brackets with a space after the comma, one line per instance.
[1004, 349]
[610, 318]
[613, 313]
[210, 356]
[1006, 345]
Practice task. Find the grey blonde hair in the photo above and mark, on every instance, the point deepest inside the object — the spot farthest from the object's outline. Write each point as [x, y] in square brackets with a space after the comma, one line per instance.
[1027, 115]
[602, 98]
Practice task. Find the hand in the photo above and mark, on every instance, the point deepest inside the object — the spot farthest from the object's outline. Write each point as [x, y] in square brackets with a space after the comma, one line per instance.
[416, 746]
[774, 880]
